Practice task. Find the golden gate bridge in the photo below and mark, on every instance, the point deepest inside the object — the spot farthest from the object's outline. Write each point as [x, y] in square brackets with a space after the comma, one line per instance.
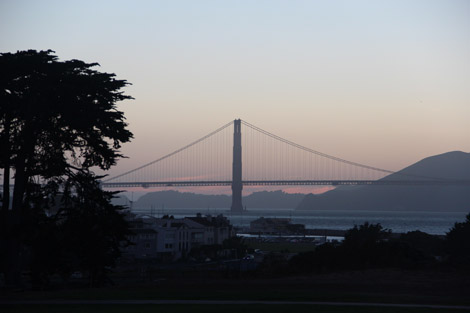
[218, 159]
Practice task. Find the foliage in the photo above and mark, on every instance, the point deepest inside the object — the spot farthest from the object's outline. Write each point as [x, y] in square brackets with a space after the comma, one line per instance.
[365, 236]
[58, 119]
[370, 246]
[87, 211]
[237, 243]
[428, 244]
[60, 115]
[361, 243]
[457, 243]
[86, 233]
[204, 252]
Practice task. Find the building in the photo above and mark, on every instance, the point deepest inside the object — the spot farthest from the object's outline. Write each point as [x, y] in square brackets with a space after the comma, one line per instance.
[144, 243]
[170, 238]
[216, 228]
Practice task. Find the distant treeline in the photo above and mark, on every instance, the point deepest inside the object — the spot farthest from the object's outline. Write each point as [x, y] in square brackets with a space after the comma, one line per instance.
[369, 246]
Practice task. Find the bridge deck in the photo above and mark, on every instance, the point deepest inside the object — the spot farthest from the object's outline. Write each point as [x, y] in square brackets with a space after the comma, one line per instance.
[292, 183]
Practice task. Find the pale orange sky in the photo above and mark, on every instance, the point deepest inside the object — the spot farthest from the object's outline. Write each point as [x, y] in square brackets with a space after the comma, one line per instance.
[384, 83]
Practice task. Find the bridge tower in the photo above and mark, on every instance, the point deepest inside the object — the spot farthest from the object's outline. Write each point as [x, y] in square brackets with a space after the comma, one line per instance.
[237, 184]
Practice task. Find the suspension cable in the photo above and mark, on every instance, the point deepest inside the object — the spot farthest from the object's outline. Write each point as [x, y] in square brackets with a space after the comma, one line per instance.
[171, 154]
[314, 151]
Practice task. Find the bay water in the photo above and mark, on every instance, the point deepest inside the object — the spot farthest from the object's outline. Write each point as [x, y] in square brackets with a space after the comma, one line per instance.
[437, 223]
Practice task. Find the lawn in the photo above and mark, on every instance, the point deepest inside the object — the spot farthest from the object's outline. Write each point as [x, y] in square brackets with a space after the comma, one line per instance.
[373, 286]
[131, 308]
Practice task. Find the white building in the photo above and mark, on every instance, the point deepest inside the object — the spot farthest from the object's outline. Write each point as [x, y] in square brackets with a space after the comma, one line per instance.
[169, 238]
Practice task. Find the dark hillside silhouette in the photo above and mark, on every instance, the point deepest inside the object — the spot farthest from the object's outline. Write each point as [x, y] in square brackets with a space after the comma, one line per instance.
[259, 200]
[452, 165]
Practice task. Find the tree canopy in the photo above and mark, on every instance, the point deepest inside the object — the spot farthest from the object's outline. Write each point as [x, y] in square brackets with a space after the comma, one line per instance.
[57, 115]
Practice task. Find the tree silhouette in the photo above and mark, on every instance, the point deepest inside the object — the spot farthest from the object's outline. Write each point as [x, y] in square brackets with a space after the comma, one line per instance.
[362, 245]
[57, 119]
[86, 210]
[365, 236]
[457, 243]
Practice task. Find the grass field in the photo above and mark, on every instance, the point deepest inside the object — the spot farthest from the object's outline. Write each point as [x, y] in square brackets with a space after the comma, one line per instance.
[184, 308]
[373, 286]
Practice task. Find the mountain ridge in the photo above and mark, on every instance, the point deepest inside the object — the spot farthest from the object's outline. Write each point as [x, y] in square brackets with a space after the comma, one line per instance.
[454, 165]
[259, 200]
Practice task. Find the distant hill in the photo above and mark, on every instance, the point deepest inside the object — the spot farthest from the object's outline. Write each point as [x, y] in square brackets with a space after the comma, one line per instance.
[173, 200]
[273, 200]
[451, 165]
[259, 200]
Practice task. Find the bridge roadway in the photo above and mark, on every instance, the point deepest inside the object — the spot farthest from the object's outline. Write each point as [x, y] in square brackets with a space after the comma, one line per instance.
[291, 183]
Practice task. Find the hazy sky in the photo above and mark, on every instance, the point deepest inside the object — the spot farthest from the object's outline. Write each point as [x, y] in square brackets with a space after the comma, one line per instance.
[384, 83]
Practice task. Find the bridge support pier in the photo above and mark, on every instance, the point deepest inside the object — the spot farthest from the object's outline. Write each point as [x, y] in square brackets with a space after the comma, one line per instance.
[237, 185]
